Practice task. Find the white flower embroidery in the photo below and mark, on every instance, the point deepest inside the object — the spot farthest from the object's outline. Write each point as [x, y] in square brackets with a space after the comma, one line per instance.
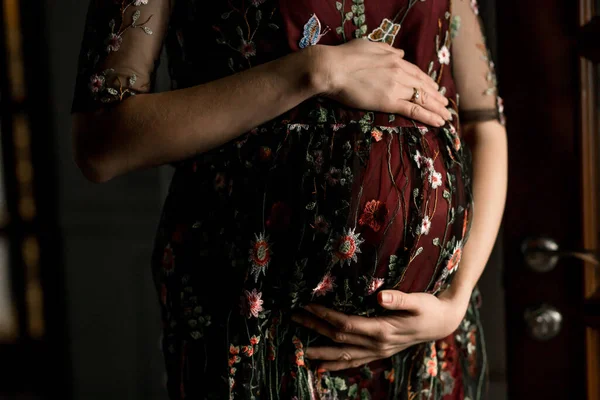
[444, 55]
[138, 3]
[435, 179]
[425, 225]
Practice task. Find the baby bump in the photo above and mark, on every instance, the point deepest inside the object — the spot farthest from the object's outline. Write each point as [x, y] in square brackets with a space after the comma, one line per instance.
[353, 209]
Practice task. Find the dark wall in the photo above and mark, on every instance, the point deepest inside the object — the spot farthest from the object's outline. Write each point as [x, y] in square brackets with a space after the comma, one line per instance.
[112, 311]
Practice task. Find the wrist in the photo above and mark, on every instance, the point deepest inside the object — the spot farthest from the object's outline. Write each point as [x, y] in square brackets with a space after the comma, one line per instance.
[317, 61]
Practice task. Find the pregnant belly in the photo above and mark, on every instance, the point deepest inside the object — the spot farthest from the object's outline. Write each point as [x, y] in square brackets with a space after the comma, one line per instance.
[332, 213]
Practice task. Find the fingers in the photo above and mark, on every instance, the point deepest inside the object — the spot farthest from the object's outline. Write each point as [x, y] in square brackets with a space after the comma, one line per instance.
[397, 300]
[426, 100]
[347, 324]
[331, 332]
[341, 365]
[418, 113]
[347, 353]
[433, 94]
[416, 72]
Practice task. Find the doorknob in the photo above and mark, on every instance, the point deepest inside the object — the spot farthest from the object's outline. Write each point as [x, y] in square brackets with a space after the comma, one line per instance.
[543, 322]
[542, 254]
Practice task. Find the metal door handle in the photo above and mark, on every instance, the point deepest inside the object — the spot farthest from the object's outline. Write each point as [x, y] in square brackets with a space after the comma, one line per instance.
[543, 322]
[542, 254]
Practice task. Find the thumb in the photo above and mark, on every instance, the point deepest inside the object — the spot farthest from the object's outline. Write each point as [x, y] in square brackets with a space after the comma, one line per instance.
[397, 300]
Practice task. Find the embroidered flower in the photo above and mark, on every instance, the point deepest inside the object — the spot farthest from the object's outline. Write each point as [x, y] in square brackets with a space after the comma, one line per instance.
[475, 7]
[333, 176]
[138, 3]
[435, 179]
[254, 340]
[251, 303]
[455, 258]
[457, 143]
[97, 83]
[234, 350]
[374, 215]
[376, 134]
[345, 246]
[423, 130]
[432, 368]
[428, 162]
[425, 225]
[168, 261]
[260, 255]
[280, 217]
[326, 285]
[318, 160]
[320, 225]
[248, 49]
[418, 158]
[113, 43]
[337, 127]
[248, 350]
[264, 153]
[219, 181]
[444, 55]
[374, 284]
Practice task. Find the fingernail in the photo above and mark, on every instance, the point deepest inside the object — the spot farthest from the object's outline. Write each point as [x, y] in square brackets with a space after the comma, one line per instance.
[386, 298]
[441, 122]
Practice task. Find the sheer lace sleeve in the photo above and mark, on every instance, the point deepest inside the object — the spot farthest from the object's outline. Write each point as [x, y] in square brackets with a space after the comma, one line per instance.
[120, 50]
[473, 68]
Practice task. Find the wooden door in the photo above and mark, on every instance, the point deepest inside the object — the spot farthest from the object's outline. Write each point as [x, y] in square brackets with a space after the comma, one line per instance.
[552, 298]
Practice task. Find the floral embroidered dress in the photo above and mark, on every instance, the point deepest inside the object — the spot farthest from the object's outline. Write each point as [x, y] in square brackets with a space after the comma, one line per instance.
[322, 204]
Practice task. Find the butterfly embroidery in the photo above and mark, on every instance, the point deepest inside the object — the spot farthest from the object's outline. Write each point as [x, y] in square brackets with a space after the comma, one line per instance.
[386, 32]
[312, 32]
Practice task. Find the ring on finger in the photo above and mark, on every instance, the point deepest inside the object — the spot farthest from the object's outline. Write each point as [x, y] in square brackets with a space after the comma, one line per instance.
[416, 95]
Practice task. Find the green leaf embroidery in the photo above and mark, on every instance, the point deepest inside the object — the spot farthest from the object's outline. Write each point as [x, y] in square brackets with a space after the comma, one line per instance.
[349, 15]
[339, 30]
[436, 241]
[338, 5]
[353, 390]
[339, 383]
[391, 117]
[147, 30]
[258, 16]
[136, 16]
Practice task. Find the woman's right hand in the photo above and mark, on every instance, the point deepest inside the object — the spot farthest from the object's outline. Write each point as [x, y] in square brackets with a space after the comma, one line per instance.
[374, 76]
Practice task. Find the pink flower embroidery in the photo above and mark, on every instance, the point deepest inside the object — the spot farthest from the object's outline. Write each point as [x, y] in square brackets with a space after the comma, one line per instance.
[113, 43]
[247, 49]
[254, 340]
[97, 83]
[374, 215]
[251, 303]
[374, 284]
[346, 246]
[455, 258]
[376, 134]
[418, 159]
[444, 55]
[428, 163]
[326, 285]
[475, 7]
[425, 225]
[423, 130]
[260, 255]
[333, 176]
[168, 261]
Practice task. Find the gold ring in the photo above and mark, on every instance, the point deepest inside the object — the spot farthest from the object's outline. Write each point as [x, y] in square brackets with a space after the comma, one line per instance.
[416, 95]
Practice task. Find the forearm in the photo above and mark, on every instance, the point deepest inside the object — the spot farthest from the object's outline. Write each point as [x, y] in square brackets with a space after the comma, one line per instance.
[489, 149]
[153, 129]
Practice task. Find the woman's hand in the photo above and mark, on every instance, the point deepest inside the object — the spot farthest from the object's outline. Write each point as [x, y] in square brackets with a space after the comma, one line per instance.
[418, 317]
[374, 76]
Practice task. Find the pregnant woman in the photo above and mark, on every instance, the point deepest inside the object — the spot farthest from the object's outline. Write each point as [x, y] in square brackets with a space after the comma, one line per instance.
[327, 172]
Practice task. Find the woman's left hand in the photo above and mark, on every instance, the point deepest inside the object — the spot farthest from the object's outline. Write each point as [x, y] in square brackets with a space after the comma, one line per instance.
[418, 317]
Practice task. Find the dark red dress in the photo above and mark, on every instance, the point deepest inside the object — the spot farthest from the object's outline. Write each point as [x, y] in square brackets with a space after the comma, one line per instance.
[322, 204]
